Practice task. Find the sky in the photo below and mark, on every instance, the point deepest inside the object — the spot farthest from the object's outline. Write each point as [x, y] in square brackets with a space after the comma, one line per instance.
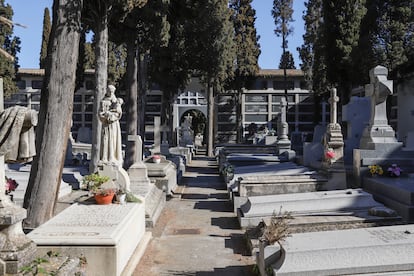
[30, 14]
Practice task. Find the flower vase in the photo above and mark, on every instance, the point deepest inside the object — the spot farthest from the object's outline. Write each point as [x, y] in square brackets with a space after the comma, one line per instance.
[156, 160]
[121, 198]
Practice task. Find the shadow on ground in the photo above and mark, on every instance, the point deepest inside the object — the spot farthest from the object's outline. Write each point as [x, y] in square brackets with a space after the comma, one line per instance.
[226, 271]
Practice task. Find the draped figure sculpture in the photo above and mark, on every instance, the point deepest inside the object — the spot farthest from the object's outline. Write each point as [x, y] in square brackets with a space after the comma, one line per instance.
[110, 113]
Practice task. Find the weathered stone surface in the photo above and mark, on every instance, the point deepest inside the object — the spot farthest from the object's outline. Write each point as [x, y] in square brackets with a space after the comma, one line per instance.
[347, 252]
[339, 202]
[164, 174]
[106, 235]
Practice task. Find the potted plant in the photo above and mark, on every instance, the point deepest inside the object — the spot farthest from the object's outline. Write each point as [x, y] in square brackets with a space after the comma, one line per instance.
[99, 186]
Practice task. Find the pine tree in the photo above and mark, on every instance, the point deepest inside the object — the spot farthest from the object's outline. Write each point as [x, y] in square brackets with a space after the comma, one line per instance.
[10, 44]
[45, 38]
[287, 61]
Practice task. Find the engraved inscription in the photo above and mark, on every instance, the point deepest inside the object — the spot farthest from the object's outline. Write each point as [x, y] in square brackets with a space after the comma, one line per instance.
[388, 236]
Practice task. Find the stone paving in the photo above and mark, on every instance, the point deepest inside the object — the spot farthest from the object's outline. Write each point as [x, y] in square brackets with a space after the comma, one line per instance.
[197, 232]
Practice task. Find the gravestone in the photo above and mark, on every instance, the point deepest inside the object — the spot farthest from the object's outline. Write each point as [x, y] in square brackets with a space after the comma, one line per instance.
[378, 144]
[379, 134]
[141, 185]
[283, 143]
[108, 236]
[186, 132]
[16, 249]
[385, 250]
[333, 143]
[356, 114]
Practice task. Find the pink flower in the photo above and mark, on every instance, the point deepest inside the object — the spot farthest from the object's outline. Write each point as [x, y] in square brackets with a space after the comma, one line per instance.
[10, 185]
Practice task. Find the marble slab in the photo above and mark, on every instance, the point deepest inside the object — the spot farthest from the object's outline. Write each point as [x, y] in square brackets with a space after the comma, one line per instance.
[388, 249]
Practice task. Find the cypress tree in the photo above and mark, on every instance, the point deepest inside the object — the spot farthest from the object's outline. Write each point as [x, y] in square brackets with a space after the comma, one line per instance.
[10, 44]
[342, 21]
[45, 38]
[247, 51]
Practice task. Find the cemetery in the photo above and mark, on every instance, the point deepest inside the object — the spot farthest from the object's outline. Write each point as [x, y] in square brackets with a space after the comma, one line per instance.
[175, 162]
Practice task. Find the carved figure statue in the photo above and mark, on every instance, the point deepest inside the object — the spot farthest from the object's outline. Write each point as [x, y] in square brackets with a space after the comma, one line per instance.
[17, 137]
[110, 113]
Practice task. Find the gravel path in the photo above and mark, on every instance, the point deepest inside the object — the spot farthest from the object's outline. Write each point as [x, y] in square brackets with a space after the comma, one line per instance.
[197, 232]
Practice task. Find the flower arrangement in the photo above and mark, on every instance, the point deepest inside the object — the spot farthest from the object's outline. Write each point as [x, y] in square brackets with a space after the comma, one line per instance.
[330, 154]
[394, 170]
[375, 170]
[10, 185]
[94, 182]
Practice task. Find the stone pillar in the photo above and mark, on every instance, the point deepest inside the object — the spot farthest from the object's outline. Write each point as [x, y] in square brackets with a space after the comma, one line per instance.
[379, 134]
[16, 249]
[137, 172]
[283, 143]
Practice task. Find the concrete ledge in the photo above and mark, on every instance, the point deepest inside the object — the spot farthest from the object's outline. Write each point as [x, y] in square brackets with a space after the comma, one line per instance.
[107, 235]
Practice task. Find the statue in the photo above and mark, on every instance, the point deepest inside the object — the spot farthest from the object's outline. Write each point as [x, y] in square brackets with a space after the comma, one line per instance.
[110, 113]
[17, 134]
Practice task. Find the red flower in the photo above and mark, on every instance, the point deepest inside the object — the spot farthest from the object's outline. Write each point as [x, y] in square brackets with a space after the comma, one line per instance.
[330, 154]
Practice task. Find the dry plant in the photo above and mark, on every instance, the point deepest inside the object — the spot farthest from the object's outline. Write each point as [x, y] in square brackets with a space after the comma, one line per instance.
[278, 229]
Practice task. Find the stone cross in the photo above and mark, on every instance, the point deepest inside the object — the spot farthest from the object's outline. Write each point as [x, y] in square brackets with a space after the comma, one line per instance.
[378, 133]
[138, 146]
[379, 89]
[157, 134]
[333, 100]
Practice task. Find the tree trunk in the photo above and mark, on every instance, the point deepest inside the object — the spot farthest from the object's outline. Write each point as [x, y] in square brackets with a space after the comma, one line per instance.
[210, 141]
[101, 79]
[142, 88]
[132, 106]
[55, 116]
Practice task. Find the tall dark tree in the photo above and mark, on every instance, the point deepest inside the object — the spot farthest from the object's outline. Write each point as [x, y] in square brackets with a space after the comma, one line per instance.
[247, 51]
[312, 53]
[96, 15]
[56, 106]
[216, 54]
[141, 30]
[287, 61]
[282, 13]
[342, 20]
[45, 38]
[11, 45]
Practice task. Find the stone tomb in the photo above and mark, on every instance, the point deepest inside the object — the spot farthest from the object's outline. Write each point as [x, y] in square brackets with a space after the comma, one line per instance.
[327, 203]
[107, 235]
[384, 250]
[395, 192]
[163, 174]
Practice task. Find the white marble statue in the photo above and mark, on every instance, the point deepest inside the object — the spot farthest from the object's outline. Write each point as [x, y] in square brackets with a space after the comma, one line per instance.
[17, 137]
[110, 113]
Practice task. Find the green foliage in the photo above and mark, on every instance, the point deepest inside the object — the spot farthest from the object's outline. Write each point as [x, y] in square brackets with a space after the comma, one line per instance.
[11, 45]
[286, 61]
[282, 13]
[341, 27]
[47, 26]
[246, 39]
[94, 182]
